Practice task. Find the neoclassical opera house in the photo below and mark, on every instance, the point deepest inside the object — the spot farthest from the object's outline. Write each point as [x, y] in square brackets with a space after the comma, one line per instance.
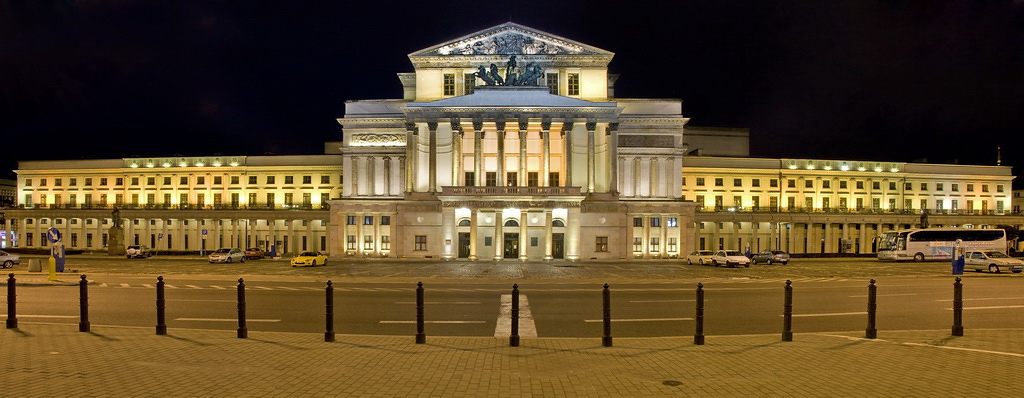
[508, 144]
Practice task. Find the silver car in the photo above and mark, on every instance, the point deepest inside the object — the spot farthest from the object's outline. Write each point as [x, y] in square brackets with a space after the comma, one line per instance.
[8, 260]
[770, 257]
[226, 255]
[702, 257]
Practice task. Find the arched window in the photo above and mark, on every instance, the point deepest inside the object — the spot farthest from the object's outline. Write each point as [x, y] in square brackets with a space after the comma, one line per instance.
[557, 223]
[464, 222]
[511, 223]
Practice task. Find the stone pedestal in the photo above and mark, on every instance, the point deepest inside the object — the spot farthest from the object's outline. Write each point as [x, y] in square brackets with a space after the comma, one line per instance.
[115, 241]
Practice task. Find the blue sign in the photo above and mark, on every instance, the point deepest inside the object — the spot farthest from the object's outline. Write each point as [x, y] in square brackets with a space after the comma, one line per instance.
[160, 236]
[53, 235]
[204, 232]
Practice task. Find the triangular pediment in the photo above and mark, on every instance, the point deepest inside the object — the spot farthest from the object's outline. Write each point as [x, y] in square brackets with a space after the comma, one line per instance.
[510, 39]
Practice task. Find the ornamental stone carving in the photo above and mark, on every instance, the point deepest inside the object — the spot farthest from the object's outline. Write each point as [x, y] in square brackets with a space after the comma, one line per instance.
[377, 140]
[509, 44]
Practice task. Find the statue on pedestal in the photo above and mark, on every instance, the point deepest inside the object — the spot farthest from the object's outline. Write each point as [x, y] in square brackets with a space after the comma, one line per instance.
[115, 235]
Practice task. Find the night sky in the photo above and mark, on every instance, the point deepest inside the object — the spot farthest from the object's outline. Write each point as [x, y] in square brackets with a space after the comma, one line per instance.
[931, 80]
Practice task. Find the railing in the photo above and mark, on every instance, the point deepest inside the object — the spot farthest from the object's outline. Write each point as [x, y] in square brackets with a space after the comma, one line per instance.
[511, 191]
[302, 206]
[865, 210]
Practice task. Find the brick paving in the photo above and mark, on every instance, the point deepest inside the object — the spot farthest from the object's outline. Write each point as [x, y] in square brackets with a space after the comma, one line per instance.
[54, 360]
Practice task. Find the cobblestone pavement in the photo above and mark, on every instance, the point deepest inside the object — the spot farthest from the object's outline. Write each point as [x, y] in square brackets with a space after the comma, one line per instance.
[42, 360]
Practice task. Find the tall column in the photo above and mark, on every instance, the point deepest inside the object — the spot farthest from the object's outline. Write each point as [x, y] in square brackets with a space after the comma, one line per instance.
[478, 170]
[567, 151]
[591, 167]
[523, 125]
[251, 229]
[310, 241]
[572, 238]
[449, 240]
[655, 182]
[216, 240]
[645, 247]
[755, 246]
[524, 221]
[501, 152]
[548, 219]
[863, 239]
[456, 151]
[432, 167]
[499, 239]
[664, 237]
[474, 219]
[410, 154]
[235, 237]
[386, 175]
[545, 136]
[613, 157]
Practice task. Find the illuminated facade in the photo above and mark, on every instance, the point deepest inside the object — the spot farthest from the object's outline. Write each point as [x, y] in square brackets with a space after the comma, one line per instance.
[487, 157]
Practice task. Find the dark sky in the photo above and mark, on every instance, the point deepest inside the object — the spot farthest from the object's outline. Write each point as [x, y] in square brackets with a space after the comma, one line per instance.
[859, 79]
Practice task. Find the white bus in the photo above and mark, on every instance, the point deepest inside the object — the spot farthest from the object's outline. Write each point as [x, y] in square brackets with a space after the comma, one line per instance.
[937, 243]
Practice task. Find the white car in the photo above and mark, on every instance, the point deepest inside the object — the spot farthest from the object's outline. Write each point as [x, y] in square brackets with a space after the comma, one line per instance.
[992, 260]
[8, 260]
[730, 258]
[226, 255]
[702, 257]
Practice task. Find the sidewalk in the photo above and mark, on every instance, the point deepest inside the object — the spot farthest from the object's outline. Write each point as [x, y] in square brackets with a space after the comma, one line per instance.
[56, 360]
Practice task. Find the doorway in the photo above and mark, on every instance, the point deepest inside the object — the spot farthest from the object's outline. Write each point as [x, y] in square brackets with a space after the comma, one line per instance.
[558, 245]
[463, 244]
[511, 245]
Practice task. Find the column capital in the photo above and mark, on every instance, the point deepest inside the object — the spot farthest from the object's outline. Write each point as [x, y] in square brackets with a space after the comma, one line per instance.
[411, 127]
[591, 126]
[545, 123]
[432, 125]
[500, 125]
[524, 123]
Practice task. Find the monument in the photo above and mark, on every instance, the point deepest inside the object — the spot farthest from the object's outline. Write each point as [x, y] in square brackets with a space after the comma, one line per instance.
[115, 235]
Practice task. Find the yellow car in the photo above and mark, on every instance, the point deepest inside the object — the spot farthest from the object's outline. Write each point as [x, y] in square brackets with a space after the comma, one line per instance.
[309, 259]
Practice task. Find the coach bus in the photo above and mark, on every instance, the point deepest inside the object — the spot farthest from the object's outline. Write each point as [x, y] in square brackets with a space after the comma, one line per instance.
[937, 243]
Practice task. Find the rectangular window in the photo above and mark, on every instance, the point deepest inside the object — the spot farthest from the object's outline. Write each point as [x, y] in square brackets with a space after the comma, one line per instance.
[324, 197]
[385, 242]
[367, 220]
[924, 186]
[288, 199]
[183, 180]
[350, 241]
[201, 199]
[350, 220]
[700, 181]
[955, 187]
[842, 184]
[449, 84]
[57, 182]
[939, 186]
[74, 181]
[719, 182]
[999, 188]
[234, 180]
[908, 204]
[907, 186]
[655, 244]
[469, 179]
[270, 199]
[252, 179]
[602, 244]
[270, 180]
[512, 179]
[790, 183]
[672, 246]
[892, 186]
[552, 81]
[970, 187]
[671, 222]
[924, 204]
[756, 183]
[119, 181]
[307, 179]
[808, 183]
[860, 184]
[88, 181]
[469, 82]
[573, 86]
[700, 201]
[938, 204]
[42, 182]
[289, 179]
[533, 179]
[826, 184]
[553, 180]
[638, 221]
[954, 204]
[325, 179]
[199, 180]
[252, 198]
[737, 182]
[638, 244]
[655, 222]
[773, 183]
[385, 220]
[421, 243]
[307, 199]
[984, 187]
[28, 182]
[876, 185]
[491, 179]
[218, 180]
[367, 242]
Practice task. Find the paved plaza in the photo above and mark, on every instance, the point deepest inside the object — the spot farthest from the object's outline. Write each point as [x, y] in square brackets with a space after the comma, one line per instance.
[50, 359]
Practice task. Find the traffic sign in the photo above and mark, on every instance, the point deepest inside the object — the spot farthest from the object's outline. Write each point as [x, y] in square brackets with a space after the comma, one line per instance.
[204, 232]
[160, 236]
[53, 235]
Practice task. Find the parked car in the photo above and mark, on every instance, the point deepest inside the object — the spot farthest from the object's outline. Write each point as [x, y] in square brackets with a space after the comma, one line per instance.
[993, 261]
[309, 259]
[138, 251]
[8, 260]
[730, 258]
[227, 255]
[253, 253]
[702, 257]
[769, 257]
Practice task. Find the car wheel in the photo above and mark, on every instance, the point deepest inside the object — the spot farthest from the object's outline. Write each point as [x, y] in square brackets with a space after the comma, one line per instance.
[993, 268]
[752, 261]
[768, 261]
[242, 259]
[919, 257]
[8, 264]
[714, 263]
[700, 261]
[228, 260]
[128, 257]
[324, 263]
[688, 262]
[747, 265]
[314, 263]
[785, 263]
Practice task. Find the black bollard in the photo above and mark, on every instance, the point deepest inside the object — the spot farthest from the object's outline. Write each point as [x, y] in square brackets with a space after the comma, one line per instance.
[787, 323]
[513, 340]
[698, 335]
[958, 308]
[161, 326]
[242, 331]
[12, 318]
[83, 301]
[871, 332]
[329, 334]
[421, 338]
[606, 340]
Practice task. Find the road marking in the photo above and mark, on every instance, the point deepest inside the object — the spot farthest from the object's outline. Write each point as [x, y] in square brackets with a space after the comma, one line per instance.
[45, 316]
[639, 320]
[661, 301]
[103, 285]
[151, 286]
[125, 285]
[203, 301]
[225, 320]
[437, 302]
[259, 287]
[217, 287]
[988, 298]
[992, 308]
[1011, 354]
[193, 286]
[447, 322]
[503, 328]
[828, 314]
[285, 288]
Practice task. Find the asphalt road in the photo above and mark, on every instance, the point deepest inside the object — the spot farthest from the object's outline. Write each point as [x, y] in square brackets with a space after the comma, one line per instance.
[557, 299]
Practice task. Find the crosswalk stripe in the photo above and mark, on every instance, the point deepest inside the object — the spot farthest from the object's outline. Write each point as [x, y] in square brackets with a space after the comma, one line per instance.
[503, 327]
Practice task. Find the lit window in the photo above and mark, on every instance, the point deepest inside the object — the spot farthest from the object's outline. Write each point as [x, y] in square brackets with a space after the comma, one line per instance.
[573, 86]
[602, 244]
[449, 84]
[552, 82]
[421, 243]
